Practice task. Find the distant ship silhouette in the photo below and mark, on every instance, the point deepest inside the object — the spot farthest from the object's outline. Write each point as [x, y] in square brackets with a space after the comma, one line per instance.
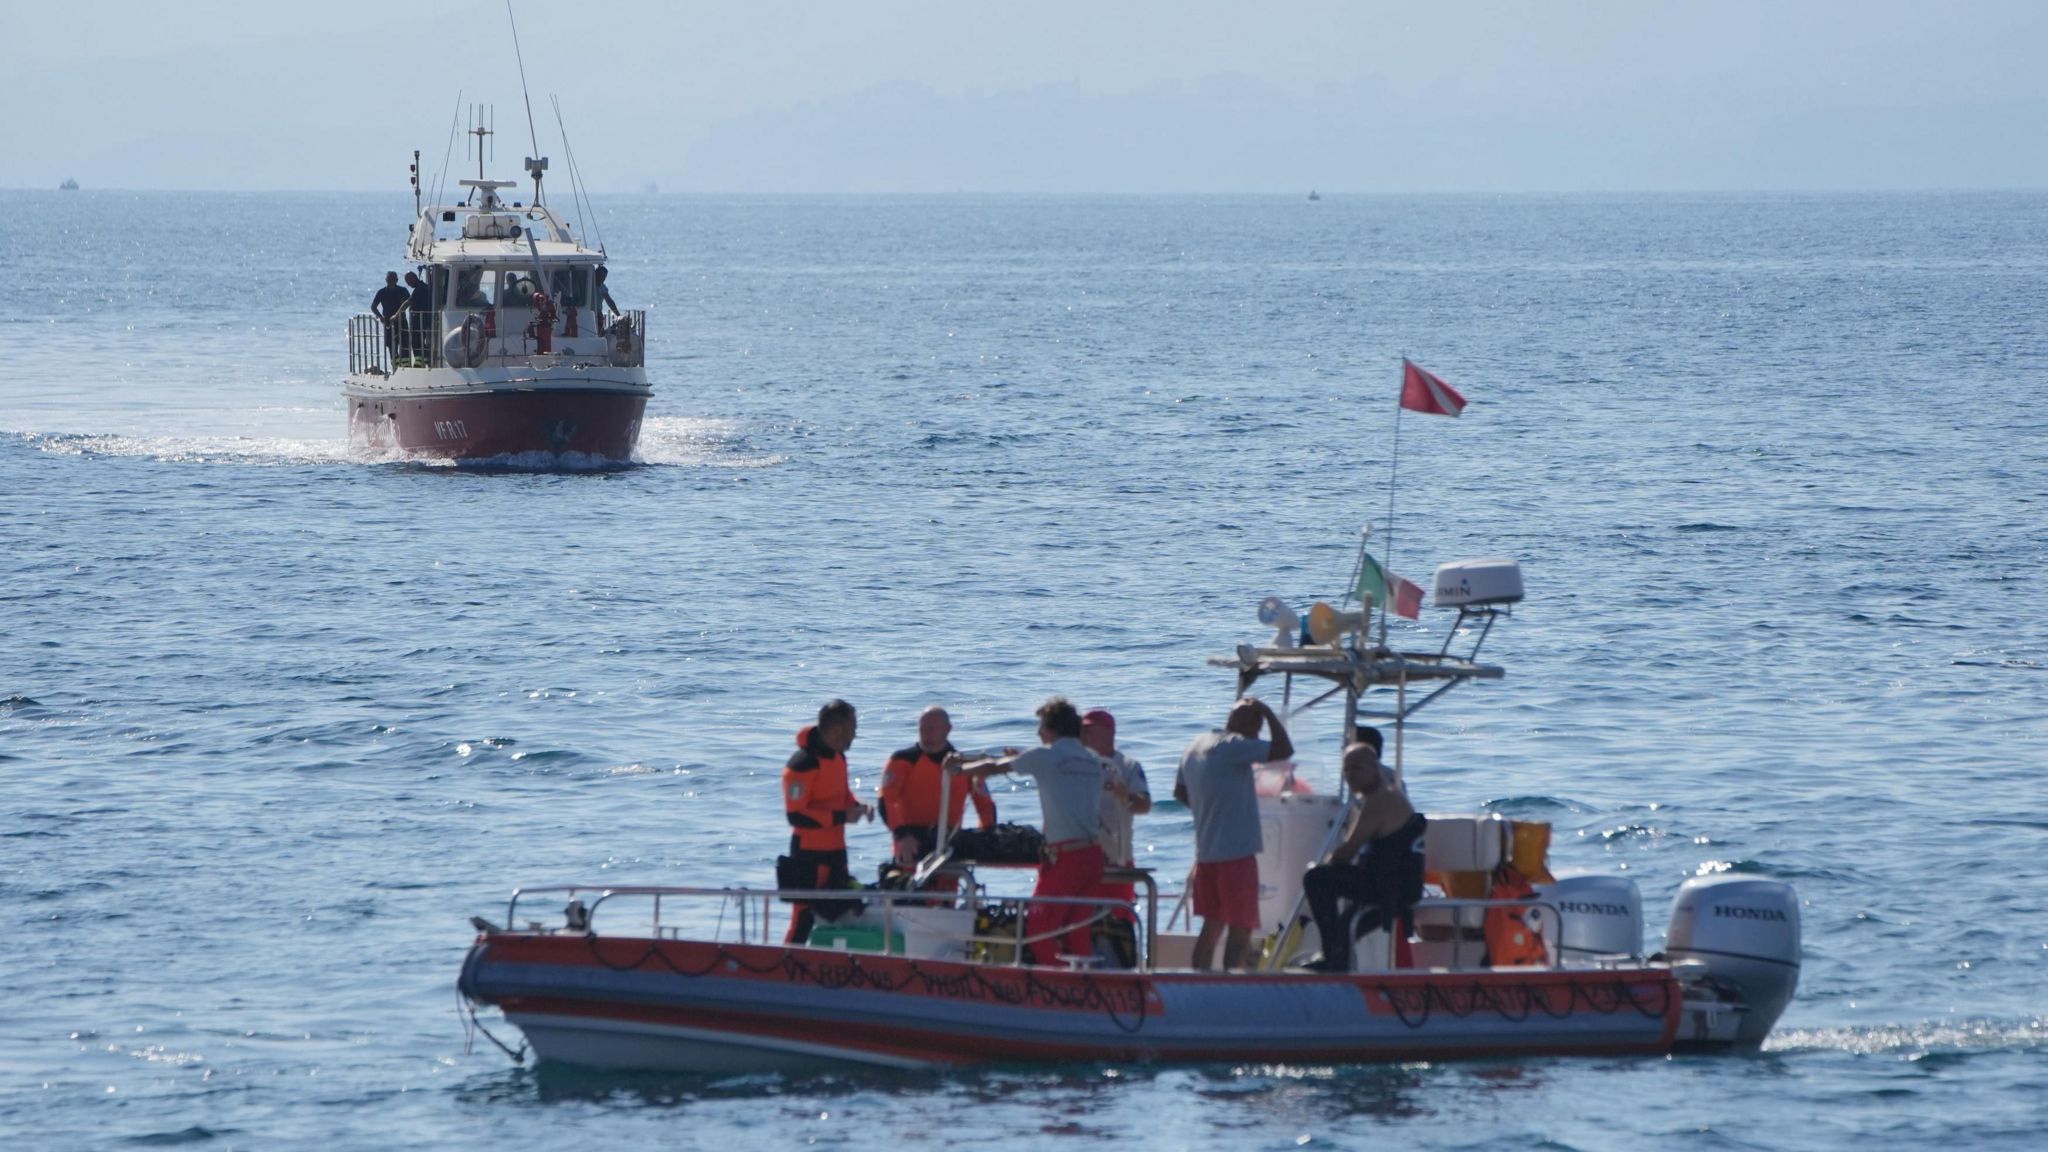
[1314, 195]
[68, 186]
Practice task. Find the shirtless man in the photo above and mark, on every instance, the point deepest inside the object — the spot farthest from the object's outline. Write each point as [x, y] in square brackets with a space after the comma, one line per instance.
[1377, 866]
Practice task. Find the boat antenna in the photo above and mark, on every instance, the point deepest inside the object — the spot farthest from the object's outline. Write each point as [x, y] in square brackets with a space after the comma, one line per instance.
[576, 178]
[448, 153]
[535, 163]
[1393, 474]
[481, 117]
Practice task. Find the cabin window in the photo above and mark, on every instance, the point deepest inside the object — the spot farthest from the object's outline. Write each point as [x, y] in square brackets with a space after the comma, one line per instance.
[475, 288]
[515, 289]
[569, 287]
[480, 288]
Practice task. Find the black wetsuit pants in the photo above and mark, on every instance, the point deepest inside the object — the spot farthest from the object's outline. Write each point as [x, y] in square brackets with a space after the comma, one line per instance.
[1384, 884]
[806, 869]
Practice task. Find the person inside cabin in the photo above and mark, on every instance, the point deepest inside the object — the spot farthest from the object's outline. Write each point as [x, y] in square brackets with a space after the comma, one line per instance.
[1377, 867]
[601, 299]
[1216, 783]
[518, 292]
[1069, 781]
[1125, 795]
[912, 782]
[819, 803]
[386, 306]
[419, 315]
[469, 289]
[565, 286]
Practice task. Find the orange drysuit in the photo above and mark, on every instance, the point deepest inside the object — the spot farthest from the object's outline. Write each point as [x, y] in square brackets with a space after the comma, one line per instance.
[910, 792]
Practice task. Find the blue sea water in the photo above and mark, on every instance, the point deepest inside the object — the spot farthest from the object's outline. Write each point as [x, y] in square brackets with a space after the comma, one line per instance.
[274, 722]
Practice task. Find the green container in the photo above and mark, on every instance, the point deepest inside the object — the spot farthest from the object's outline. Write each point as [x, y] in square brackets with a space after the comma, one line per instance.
[858, 936]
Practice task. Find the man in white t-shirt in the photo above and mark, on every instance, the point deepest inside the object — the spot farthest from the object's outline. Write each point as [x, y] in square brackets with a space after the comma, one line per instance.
[1125, 793]
[1215, 782]
[1069, 781]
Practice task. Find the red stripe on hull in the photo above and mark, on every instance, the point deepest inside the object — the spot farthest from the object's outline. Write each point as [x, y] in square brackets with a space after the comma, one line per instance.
[614, 953]
[936, 1047]
[924, 1031]
[507, 422]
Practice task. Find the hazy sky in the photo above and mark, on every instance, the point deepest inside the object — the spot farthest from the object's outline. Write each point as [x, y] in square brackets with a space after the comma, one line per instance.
[1054, 96]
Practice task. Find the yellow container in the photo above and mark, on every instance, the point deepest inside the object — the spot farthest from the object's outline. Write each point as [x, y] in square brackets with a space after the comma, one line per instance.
[1530, 851]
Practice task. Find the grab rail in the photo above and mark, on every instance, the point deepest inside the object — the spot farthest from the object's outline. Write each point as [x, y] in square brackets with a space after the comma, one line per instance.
[367, 352]
[415, 338]
[755, 927]
[636, 348]
[758, 923]
[418, 340]
[1550, 947]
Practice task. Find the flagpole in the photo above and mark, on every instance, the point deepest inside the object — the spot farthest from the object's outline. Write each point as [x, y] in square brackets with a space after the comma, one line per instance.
[1393, 477]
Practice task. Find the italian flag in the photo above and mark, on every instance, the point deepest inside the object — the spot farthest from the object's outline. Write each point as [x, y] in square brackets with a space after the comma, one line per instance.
[1380, 586]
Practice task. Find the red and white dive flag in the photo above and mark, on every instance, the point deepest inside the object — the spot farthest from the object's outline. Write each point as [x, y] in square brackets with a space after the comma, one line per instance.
[1423, 391]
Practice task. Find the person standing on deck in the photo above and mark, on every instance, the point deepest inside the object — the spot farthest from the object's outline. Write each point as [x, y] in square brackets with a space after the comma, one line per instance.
[1070, 797]
[1215, 782]
[911, 784]
[601, 298]
[386, 306]
[1125, 794]
[419, 315]
[819, 803]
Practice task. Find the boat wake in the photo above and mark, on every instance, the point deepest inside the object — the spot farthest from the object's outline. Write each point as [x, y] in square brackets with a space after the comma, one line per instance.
[700, 442]
[665, 441]
[247, 450]
[1928, 1039]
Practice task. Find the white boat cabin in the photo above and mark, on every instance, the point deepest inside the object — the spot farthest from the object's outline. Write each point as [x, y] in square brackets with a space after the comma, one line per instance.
[483, 261]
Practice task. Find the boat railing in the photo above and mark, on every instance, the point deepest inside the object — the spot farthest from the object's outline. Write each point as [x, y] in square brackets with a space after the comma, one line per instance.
[413, 340]
[633, 352]
[753, 911]
[1459, 903]
[368, 354]
[419, 340]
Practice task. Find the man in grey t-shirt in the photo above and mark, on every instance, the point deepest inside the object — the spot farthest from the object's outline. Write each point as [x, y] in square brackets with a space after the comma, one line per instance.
[1069, 781]
[1215, 782]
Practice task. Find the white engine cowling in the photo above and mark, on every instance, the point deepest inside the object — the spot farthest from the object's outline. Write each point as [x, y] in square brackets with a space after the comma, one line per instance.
[1745, 931]
[1603, 917]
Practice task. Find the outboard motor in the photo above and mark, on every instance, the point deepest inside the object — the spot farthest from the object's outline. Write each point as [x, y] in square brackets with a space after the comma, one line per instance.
[1603, 917]
[1745, 933]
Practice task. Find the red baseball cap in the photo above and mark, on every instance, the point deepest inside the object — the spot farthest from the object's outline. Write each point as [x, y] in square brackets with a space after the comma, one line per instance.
[1099, 718]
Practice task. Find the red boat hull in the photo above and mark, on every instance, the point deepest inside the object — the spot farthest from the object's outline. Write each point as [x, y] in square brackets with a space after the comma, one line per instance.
[578, 424]
[709, 1007]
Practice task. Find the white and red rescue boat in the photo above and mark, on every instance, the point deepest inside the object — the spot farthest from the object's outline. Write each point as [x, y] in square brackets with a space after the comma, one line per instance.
[514, 352]
[646, 977]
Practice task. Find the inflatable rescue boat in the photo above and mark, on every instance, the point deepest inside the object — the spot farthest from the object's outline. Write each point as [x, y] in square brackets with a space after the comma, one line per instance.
[932, 974]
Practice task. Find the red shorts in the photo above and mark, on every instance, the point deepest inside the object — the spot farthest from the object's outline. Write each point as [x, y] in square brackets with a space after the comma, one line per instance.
[1228, 890]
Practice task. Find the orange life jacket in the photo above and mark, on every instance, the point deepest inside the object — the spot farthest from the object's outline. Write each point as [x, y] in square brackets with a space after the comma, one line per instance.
[910, 792]
[1510, 941]
[815, 794]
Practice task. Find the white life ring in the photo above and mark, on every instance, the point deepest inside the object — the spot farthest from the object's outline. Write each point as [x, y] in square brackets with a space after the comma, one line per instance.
[474, 342]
